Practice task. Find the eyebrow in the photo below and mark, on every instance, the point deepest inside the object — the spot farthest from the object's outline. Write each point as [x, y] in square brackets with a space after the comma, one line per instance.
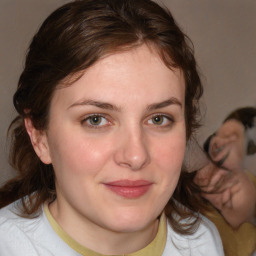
[108, 106]
[99, 104]
[166, 103]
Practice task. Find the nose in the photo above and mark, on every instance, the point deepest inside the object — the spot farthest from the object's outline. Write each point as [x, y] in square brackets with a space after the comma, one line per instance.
[132, 151]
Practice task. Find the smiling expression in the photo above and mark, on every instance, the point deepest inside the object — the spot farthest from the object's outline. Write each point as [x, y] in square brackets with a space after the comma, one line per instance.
[116, 139]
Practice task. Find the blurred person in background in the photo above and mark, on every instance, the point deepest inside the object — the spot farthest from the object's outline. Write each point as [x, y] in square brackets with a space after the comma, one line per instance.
[229, 181]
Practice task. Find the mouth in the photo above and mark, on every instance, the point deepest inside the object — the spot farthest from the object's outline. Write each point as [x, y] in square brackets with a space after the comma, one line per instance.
[129, 188]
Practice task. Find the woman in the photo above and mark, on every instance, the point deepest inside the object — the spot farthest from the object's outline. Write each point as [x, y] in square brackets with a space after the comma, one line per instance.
[229, 182]
[107, 100]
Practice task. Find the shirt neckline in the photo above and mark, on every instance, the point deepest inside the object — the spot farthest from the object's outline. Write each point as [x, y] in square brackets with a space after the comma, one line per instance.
[155, 248]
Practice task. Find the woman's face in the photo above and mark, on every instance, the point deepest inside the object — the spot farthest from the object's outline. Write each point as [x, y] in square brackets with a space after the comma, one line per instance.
[116, 140]
[229, 144]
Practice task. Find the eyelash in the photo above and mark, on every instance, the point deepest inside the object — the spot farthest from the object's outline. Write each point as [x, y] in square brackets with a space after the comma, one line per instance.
[165, 118]
[87, 119]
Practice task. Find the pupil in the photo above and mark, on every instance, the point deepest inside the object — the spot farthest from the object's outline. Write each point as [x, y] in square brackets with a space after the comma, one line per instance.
[158, 119]
[95, 120]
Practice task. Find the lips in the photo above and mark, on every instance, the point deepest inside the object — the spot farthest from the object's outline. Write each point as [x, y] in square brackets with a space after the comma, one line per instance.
[129, 188]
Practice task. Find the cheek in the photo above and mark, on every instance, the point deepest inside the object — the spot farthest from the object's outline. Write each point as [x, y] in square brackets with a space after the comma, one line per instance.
[76, 155]
[169, 158]
[170, 154]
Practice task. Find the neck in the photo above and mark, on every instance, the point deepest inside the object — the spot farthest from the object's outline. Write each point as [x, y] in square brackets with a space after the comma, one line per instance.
[90, 234]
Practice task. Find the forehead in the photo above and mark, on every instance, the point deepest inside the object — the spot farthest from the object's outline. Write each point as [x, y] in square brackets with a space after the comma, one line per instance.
[137, 73]
[138, 53]
[231, 126]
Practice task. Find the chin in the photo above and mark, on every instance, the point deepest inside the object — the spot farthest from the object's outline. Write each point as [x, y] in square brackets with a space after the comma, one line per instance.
[131, 222]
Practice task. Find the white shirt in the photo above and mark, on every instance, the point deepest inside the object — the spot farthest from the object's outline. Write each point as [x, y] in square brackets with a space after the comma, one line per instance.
[36, 237]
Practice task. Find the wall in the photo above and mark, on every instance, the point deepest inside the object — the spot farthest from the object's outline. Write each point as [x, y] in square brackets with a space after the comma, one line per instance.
[224, 37]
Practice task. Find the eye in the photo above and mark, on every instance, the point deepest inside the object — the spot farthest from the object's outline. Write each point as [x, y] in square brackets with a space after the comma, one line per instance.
[95, 121]
[160, 120]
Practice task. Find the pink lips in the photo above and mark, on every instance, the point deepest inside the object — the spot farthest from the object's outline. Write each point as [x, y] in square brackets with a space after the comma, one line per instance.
[129, 188]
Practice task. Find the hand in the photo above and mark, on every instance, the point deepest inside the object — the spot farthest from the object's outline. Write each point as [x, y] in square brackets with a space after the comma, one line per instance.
[231, 192]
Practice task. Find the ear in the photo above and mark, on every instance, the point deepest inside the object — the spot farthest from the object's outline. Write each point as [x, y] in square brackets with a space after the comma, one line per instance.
[39, 141]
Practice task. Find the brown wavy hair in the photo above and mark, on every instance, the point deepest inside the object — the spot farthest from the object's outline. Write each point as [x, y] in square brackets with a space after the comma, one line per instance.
[71, 39]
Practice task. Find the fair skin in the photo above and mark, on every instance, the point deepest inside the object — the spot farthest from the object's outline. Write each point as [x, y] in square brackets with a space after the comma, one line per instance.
[116, 139]
[234, 193]
[229, 140]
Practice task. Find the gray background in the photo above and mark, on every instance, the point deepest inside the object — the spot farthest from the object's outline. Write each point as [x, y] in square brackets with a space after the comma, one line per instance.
[224, 37]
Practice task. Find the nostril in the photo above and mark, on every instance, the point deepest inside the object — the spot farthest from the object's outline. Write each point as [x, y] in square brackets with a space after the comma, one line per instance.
[133, 161]
[132, 151]
[125, 165]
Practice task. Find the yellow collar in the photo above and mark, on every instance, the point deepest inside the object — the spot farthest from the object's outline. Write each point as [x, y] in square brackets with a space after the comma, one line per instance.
[155, 248]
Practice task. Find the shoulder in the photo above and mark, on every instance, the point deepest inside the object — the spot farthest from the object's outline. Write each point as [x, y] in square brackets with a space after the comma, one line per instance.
[11, 216]
[25, 236]
[208, 236]
[17, 234]
[204, 241]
